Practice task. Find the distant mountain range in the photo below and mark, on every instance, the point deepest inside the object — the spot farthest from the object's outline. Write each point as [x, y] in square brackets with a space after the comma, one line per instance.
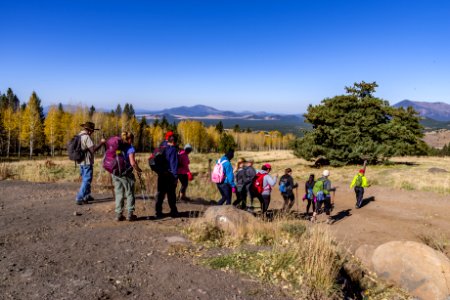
[203, 112]
[438, 111]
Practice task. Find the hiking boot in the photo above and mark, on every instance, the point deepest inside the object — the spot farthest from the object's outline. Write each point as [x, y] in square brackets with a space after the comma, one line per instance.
[90, 198]
[119, 217]
[131, 217]
[79, 202]
[174, 214]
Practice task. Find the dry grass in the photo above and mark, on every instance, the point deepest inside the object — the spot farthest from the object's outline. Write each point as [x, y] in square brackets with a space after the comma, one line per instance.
[437, 241]
[414, 176]
[5, 171]
[302, 257]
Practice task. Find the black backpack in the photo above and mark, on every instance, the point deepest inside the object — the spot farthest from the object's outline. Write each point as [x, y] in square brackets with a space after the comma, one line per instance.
[158, 161]
[74, 149]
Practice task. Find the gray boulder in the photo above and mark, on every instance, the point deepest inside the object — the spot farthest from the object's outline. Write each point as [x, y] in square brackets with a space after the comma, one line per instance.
[229, 218]
[420, 270]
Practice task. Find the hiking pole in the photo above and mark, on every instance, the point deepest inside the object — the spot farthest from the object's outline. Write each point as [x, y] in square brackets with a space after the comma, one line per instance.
[143, 189]
[296, 197]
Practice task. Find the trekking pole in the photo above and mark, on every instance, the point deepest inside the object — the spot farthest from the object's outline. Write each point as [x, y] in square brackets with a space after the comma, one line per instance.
[296, 197]
[143, 189]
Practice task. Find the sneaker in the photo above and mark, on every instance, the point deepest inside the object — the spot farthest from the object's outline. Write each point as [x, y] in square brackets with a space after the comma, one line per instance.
[131, 217]
[119, 217]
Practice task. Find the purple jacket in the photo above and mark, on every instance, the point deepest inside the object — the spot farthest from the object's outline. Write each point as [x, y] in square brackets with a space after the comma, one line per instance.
[183, 162]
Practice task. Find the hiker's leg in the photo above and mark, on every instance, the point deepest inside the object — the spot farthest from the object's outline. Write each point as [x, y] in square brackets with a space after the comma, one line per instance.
[90, 175]
[291, 201]
[360, 196]
[227, 192]
[308, 206]
[266, 201]
[222, 193]
[118, 192]
[184, 184]
[285, 202]
[244, 198]
[161, 193]
[86, 178]
[129, 192]
[171, 195]
[238, 198]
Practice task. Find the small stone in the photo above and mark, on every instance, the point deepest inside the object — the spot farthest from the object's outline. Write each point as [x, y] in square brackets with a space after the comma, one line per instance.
[76, 213]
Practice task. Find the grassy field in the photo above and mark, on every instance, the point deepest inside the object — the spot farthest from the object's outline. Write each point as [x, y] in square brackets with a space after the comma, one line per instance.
[407, 173]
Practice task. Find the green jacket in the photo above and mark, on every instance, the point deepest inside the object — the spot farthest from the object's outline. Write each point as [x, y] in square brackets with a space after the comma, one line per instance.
[363, 183]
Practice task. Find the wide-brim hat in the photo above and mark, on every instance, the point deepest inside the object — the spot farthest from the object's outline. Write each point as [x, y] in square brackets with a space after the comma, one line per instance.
[89, 126]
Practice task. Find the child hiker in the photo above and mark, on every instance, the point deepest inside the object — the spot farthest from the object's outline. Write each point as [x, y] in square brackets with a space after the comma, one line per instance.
[286, 187]
[359, 182]
[309, 195]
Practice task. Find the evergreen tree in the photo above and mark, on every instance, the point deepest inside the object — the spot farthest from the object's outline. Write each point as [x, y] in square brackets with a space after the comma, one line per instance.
[226, 143]
[118, 111]
[91, 111]
[237, 128]
[352, 128]
[164, 123]
[219, 127]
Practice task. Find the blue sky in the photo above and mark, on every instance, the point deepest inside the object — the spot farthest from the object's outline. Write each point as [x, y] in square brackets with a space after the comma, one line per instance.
[277, 56]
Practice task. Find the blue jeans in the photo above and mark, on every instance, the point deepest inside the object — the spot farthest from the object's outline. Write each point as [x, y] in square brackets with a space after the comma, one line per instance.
[86, 173]
[225, 192]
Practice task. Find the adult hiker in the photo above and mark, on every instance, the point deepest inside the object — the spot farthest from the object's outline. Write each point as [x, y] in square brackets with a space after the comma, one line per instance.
[168, 177]
[309, 195]
[87, 163]
[359, 182]
[262, 186]
[223, 176]
[251, 173]
[124, 183]
[184, 174]
[286, 187]
[321, 190]
[240, 182]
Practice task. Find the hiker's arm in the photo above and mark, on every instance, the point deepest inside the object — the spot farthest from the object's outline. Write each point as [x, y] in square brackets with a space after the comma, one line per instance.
[133, 162]
[229, 174]
[353, 182]
[173, 162]
[95, 148]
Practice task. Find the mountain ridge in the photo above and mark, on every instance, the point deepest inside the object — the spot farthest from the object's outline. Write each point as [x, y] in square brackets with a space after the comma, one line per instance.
[438, 111]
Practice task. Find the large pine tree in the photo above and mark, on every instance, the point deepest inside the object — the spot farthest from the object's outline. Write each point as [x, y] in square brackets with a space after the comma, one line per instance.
[357, 126]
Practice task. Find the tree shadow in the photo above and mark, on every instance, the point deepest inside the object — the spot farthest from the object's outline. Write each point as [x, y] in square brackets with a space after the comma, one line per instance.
[341, 215]
[199, 201]
[367, 201]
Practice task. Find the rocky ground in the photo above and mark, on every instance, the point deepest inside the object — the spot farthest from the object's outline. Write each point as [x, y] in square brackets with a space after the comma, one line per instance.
[52, 249]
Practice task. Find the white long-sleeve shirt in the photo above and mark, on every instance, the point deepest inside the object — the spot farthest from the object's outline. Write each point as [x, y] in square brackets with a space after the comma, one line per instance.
[268, 182]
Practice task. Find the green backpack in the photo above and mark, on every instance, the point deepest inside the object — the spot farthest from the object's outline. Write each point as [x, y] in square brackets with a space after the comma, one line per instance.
[359, 181]
[318, 190]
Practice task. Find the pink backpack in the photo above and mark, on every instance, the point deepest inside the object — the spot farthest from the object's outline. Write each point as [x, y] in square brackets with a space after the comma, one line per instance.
[218, 173]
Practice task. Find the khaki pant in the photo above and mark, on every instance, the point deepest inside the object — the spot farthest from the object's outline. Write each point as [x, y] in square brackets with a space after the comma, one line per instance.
[124, 187]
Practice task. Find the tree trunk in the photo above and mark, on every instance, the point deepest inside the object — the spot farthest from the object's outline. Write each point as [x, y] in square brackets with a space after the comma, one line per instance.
[9, 143]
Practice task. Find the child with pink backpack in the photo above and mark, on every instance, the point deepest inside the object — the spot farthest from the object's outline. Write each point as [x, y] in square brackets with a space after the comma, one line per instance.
[223, 176]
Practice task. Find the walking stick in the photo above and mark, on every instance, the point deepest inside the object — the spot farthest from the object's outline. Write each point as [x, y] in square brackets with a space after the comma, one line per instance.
[143, 189]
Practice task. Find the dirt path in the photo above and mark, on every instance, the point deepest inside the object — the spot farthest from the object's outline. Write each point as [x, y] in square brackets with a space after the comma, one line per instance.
[47, 252]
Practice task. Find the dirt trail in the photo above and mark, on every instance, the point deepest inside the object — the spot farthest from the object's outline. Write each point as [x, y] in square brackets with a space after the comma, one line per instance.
[47, 252]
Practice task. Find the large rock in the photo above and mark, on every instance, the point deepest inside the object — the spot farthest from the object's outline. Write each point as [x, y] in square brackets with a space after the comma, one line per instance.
[422, 271]
[229, 218]
[364, 253]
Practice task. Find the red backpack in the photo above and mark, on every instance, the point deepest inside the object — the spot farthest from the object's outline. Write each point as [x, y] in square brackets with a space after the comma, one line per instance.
[258, 183]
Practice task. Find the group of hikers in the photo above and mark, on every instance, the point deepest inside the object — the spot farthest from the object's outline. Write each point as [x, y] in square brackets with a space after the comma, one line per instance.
[172, 165]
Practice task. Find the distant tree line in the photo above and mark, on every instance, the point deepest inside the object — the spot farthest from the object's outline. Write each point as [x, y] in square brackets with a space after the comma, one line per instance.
[24, 127]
